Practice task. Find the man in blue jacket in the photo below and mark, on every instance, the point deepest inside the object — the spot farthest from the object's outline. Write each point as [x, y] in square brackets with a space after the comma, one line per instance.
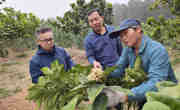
[155, 60]
[47, 53]
[101, 51]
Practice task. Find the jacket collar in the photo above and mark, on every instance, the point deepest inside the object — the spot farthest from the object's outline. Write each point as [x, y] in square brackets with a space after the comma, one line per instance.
[96, 34]
[41, 51]
[142, 46]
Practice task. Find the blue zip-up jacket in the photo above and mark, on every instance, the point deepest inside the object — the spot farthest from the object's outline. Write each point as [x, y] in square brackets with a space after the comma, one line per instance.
[102, 48]
[155, 62]
[43, 58]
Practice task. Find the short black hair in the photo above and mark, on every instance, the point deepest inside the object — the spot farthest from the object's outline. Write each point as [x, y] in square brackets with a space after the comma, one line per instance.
[94, 10]
[42, 30]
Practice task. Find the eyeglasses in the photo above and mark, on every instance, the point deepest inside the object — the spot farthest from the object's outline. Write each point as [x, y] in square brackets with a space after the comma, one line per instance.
[46, 40]
[125, 32]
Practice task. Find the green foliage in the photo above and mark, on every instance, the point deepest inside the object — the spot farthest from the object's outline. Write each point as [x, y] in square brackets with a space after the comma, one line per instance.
[164, 84]
[4, 92]
[155, 105]
[57, 87]
[94, 91]
[174, 5]
[138, 9]
[133, 76]
[173, 103]
[168, 94]
[165, 30]
[100, 103]
[68, 39]
[72, 104]
[16, 25]
[75, 20]
[71, 29]
[166, 87]
[62, 38]
[63, 90]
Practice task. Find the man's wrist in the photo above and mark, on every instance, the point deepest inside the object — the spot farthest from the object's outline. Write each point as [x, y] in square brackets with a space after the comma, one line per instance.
[126, 98]
[91, 60]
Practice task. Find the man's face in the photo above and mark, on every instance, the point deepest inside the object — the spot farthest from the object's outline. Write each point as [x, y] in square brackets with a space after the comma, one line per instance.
[95, 21]
[129, 37]
[46, 41]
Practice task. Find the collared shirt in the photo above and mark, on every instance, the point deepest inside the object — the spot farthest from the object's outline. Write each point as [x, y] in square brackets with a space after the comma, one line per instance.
[102, 48]
[155, 62]
[43, 58]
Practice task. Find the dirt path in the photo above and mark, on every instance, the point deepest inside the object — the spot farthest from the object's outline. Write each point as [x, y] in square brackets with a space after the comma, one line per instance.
[15, 77]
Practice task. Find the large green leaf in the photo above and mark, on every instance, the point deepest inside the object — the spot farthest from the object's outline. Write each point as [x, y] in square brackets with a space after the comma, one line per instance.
[119, 88]
[163, 84]
[46, 70]
[155, 105]
[169, 88]
[100, 102]
[94, 91]
[72, 104]
[173, 103]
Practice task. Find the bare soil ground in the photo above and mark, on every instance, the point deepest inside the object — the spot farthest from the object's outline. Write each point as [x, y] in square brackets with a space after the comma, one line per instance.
[15, 78]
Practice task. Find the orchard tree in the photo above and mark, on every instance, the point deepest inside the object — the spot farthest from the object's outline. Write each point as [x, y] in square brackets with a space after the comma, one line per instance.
[174, 5]
[15, 27]
[15, 24]
[75, 20]
[165, 30]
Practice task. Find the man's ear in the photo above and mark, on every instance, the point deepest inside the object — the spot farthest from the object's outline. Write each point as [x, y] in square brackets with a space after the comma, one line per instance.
[102, 17]
[37, 42]
[138, 29]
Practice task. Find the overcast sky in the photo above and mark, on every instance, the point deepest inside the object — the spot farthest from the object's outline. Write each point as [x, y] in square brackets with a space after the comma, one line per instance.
[46, 8]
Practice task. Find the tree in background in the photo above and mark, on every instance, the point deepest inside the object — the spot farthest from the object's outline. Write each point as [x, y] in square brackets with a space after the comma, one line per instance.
[137, 9]
[174, 5]
[166, 31]
[75, 20]
[70, 30]
[161, 18]
[15, 27]
[14, 24]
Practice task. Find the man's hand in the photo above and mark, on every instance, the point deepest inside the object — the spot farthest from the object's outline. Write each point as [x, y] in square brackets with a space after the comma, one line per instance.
[96, 74]
[114, 97]
[97, 64]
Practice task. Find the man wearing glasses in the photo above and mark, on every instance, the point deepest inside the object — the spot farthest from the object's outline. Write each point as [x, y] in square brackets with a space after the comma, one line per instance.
[47, 53]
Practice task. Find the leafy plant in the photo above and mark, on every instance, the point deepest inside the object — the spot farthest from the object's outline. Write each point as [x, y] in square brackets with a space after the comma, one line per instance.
[4, 92]
[155, 105]
[133, 76]
[75, 20]
[162, 29]
[16, 25]
[168, 94]
[62, 90]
